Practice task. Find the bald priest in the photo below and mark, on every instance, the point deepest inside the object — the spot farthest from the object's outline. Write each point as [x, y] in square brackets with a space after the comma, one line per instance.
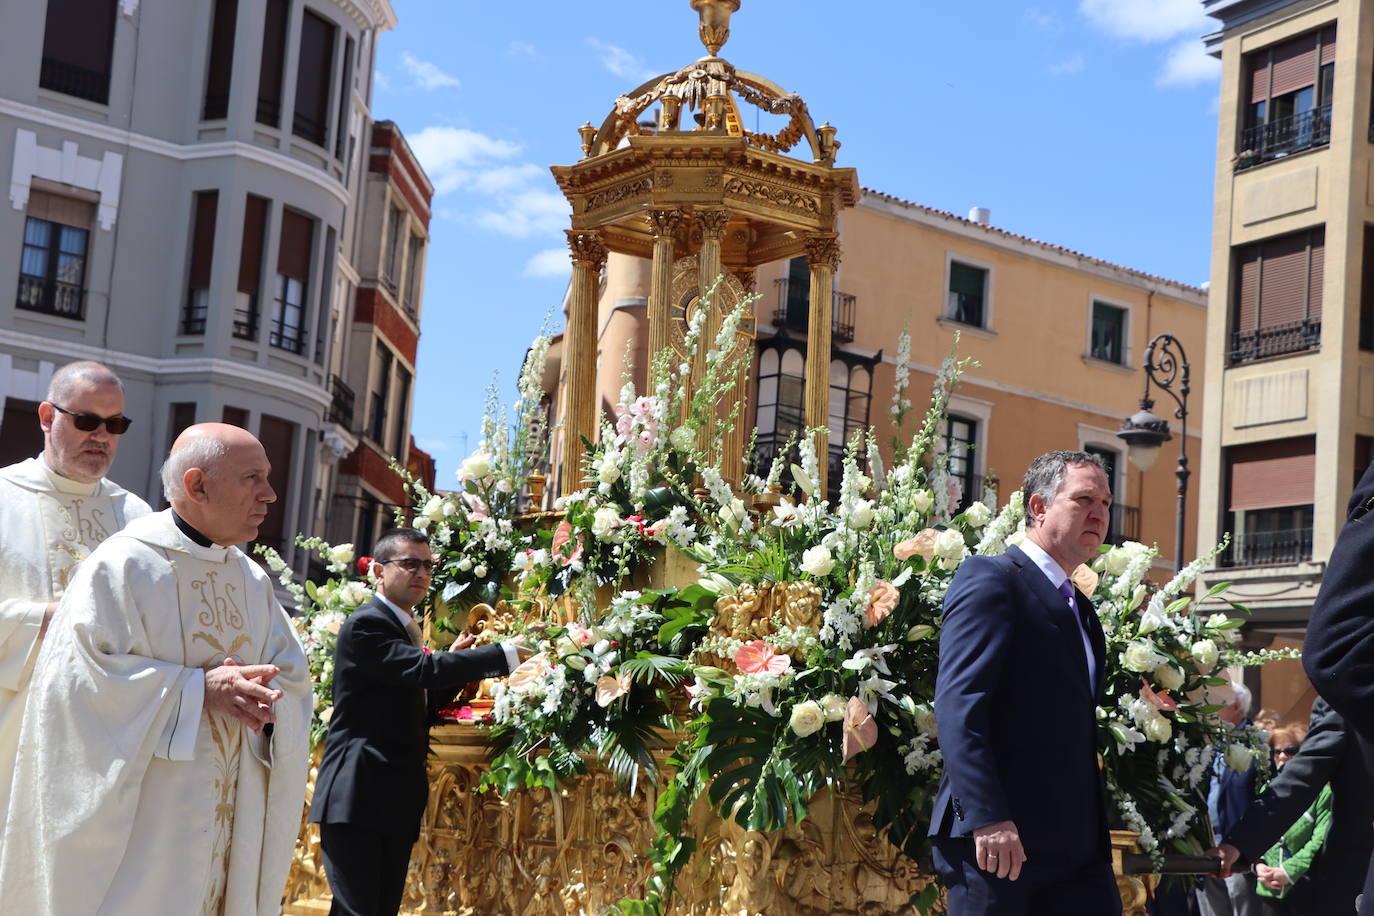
[146, 780]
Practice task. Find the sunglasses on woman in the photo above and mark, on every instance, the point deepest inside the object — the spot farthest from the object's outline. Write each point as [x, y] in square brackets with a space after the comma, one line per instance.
[89, 422]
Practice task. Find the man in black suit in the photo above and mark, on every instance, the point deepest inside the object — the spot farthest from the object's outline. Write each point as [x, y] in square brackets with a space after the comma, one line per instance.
[1331, 753]
[1338, 653]
[372, 786]
[1020, 821]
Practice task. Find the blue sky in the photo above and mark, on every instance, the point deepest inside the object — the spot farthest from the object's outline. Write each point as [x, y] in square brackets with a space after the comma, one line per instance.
[1086, 123]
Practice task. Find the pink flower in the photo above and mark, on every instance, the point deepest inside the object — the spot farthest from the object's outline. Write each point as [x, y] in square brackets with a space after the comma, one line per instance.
[609, 689]
[561, 536]
[860, 731]
[1160, 700]
[624, 423]
[465, 713]
[579, 634]
[757, 657]
[882, 598]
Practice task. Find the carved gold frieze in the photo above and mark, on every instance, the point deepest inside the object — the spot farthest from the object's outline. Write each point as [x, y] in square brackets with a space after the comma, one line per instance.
[609, 197]
[769, 193]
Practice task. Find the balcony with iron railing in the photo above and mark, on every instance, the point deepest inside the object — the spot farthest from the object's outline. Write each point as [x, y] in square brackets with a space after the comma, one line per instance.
[52, 297]
[1284, 137]
[793, 310]
[1124, 524]
[1268, 548]
[1275, 340]
[341, 403]
[69, 79]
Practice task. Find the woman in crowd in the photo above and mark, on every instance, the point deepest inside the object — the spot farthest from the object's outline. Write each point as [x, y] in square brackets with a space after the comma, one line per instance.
[1280, 876]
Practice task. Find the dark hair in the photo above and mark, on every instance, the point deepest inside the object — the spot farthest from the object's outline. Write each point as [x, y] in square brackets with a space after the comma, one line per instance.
[1045, 475]
[391, 541]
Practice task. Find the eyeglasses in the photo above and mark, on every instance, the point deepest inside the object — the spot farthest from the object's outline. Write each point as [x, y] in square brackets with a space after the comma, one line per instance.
[89, 422]
[411, 565]
[1287, 751]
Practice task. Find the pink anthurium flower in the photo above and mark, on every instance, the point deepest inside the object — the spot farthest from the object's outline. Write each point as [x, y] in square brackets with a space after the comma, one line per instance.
[1160, 700]
[757, 657]
[860, 731]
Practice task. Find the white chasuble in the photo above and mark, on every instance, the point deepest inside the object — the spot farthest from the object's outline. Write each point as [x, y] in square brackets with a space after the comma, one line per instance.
[128, 796]
[48, 524]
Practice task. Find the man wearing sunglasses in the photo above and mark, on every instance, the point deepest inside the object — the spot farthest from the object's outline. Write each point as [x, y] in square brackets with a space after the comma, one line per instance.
[54, 509]
[372, 785]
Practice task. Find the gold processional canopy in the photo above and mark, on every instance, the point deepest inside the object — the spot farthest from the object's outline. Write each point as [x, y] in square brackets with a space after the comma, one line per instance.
[703, 200]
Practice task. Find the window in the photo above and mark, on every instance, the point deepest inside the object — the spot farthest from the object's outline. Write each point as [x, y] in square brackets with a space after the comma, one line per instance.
[293, 272]
[395, 224]
[795, 309]
[781, 403]
[381, 392]
[52, 268]
[1270, 490]
[402, 411]
[250, 268]
[1289, 106]
[202, 254]
[313, 70]
[1124, 521]
[20, 435]
[1109, 333]
[273, 62]
[78, 46]
[1278, 305]
[967, 294]
[182, 414]
[370, 509]
[1367, 292]
[236, 416]
[220, 69]
[412, 291]
[961, 438]
[278, 439]
[345, 93]
[849, 394]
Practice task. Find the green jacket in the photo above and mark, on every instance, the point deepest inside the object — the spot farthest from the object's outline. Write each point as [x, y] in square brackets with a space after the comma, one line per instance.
[1300, 845]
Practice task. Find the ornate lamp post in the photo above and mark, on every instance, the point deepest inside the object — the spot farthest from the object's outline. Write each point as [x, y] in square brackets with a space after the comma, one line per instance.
[1166, 366]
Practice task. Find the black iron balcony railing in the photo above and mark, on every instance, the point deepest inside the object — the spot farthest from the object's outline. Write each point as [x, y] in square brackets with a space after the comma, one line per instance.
[269, 112]
[70, 79]
[246, 319]
[196, 311]
[341, 400]
[308, 128]
[1284, 136]
[1275, 340]
[53, 297]
[285, 337]
[1124, 524]
[794, 310]
[1268, 548]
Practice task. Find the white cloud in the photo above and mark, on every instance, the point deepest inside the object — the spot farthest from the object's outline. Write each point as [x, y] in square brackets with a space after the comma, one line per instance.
[1041, 20]
[507, 178]
[1068, 65]
[1147, 20]
[455, 157]
[534, 211]
[621, 62]
[381, 80]
[426, 75]
[521, 49]
[551, 263]
[1188, 63]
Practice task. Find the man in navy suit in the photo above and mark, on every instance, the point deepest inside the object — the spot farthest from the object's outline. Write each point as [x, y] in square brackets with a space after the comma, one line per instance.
[372, 785]
[1338, 653]
[1020, 821]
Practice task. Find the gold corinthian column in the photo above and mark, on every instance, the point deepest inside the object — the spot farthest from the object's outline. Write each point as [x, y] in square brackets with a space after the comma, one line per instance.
[580, 403]
[823, 256]
[663, 224]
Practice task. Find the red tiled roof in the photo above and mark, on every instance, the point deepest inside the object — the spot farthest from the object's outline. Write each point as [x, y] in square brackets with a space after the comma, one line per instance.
[993, 230]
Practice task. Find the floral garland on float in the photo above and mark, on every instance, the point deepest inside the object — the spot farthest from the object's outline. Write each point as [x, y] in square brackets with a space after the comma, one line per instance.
[804, 654]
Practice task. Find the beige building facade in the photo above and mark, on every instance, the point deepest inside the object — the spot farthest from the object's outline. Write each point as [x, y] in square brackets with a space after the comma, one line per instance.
[1290, 346]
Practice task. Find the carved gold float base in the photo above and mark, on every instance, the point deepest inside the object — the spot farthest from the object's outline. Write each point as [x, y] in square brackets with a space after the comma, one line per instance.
[579, 851]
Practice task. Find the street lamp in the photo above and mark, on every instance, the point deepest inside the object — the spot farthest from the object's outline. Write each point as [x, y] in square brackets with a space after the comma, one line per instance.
[1166, 366]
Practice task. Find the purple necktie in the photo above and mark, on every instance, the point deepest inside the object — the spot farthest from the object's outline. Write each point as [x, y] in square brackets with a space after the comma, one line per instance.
[1066, 589]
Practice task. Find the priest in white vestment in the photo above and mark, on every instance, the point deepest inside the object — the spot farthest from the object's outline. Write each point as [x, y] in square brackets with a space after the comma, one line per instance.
[54, 510]
[163, 750]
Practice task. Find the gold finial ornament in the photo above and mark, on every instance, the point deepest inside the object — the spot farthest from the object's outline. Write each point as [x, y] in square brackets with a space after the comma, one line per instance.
[714, 29]
[588, 134]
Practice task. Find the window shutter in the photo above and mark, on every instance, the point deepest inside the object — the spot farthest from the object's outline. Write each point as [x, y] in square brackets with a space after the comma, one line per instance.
[203, 238]
[312, 78]
[1316, 274]
[1247, 300]
[1295, 65]
[220, 70]
[1259, 75]
[1273, 474]
[278, 438]
[1328, 43]
[1283, 280]
[273, 62]
[56, 208]
[250, 254]
[293, 255]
